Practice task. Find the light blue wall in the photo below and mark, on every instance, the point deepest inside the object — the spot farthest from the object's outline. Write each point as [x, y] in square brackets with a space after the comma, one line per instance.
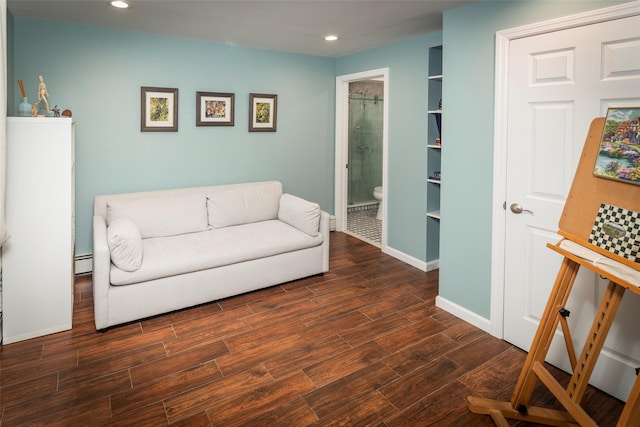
[97, 73]
[407, 61]
[467, 161]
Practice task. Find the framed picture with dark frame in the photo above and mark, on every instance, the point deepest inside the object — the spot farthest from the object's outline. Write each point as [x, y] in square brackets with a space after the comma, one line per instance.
[158, 109]
[263, 112]
[214, 109]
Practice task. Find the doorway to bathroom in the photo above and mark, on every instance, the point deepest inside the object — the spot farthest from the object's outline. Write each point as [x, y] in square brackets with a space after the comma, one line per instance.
[364, 171]
[361, 147]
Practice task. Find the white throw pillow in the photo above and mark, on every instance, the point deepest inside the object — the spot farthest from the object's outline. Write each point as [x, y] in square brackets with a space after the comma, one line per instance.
[125, 244]
[300, 213]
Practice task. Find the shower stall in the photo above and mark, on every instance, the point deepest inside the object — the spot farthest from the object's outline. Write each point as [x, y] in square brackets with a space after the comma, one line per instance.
[365, 141]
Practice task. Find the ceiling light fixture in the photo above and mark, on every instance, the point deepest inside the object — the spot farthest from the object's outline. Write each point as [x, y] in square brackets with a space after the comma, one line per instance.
[331, 38]
[120, 4]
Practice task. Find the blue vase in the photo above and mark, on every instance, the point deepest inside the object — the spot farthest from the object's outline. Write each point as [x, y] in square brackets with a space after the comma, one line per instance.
[24, 109]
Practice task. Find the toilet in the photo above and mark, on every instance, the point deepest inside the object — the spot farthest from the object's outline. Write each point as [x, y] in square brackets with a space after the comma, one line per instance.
[377, 193]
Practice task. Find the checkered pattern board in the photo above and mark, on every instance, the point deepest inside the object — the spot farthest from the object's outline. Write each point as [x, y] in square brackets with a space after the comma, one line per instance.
[617, 230]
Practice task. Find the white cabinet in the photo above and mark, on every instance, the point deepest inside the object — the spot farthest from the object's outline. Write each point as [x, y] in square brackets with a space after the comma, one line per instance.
[434, 150]
[37, 260]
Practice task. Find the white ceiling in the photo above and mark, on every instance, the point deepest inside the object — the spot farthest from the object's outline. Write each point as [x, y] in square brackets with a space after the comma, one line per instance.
[296, 26]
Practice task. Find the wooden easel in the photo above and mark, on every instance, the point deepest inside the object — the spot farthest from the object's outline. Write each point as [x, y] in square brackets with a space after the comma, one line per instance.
[587, 192]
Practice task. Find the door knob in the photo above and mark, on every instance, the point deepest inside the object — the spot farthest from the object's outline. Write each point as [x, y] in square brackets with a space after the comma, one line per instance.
[517, 209]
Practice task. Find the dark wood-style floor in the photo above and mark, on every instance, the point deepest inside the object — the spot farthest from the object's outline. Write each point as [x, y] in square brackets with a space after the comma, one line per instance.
[363, 345]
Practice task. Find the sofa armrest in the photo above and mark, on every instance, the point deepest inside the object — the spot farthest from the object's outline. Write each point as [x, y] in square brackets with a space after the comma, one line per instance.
[324, 230]
[101, 268]
[300, 213]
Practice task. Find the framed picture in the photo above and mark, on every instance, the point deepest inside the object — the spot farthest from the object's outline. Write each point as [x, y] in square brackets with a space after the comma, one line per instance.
[619, 149]
[214, 109]
[158, 109]
[263, 112]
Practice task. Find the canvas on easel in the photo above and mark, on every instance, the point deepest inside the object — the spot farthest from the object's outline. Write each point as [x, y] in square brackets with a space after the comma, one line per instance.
[619, 146]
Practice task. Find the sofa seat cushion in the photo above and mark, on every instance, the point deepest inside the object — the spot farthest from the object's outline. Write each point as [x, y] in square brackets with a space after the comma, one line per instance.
[173, 255]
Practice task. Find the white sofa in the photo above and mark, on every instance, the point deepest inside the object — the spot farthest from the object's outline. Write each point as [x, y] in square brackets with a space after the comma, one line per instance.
[159, 251]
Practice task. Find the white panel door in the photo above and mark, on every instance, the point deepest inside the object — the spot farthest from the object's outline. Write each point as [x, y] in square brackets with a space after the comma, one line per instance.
[558, 82]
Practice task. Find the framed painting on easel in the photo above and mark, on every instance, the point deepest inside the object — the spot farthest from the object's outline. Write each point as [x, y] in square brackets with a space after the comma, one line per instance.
[619, 150]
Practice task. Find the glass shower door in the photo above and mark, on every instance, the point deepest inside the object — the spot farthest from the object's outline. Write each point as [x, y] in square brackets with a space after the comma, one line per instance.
[365, 147]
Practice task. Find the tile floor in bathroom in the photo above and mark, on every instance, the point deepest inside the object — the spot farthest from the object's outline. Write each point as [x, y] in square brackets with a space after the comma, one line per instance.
[362, 222]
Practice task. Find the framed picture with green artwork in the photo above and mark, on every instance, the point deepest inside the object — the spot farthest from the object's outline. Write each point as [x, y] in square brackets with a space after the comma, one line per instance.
[158, 109]
[263, 112]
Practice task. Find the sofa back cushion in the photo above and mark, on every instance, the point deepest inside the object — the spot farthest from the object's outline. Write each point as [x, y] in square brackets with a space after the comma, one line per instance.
[244, 204]
[158, 216]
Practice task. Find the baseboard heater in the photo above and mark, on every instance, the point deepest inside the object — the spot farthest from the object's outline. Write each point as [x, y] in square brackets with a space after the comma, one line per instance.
[84, 264]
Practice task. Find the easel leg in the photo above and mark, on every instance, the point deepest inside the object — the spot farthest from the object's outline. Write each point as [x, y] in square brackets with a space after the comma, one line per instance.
[544, 334]
[517, 409]
[630, 416]
[534, 369]
[596, 338]
[574, 393]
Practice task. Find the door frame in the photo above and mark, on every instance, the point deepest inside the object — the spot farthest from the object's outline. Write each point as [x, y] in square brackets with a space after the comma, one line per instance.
[342, 145]
[499, 216]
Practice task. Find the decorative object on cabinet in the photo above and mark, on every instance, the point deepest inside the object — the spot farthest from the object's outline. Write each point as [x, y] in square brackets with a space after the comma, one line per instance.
[24, 109]
[42, 99]
[158, 109]
[263, 112]
[214, 109]
[21, 86]
[38, 259]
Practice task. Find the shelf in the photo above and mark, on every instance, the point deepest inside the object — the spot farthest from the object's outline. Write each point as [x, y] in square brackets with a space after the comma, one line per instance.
[433, 181]
[434, 214]
[436, 77]
[434, 111]
[434, 146]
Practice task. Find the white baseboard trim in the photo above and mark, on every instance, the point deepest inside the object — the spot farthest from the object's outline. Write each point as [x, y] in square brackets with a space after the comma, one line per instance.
[464, 314]
[84, 264]
[433, 265]
[409, 259]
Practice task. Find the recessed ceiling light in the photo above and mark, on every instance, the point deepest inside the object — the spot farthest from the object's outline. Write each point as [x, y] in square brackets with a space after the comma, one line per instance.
[331, 38]
[120, 4]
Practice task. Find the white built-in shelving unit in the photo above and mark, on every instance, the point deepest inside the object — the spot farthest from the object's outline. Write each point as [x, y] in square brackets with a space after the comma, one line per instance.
[434, 152]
